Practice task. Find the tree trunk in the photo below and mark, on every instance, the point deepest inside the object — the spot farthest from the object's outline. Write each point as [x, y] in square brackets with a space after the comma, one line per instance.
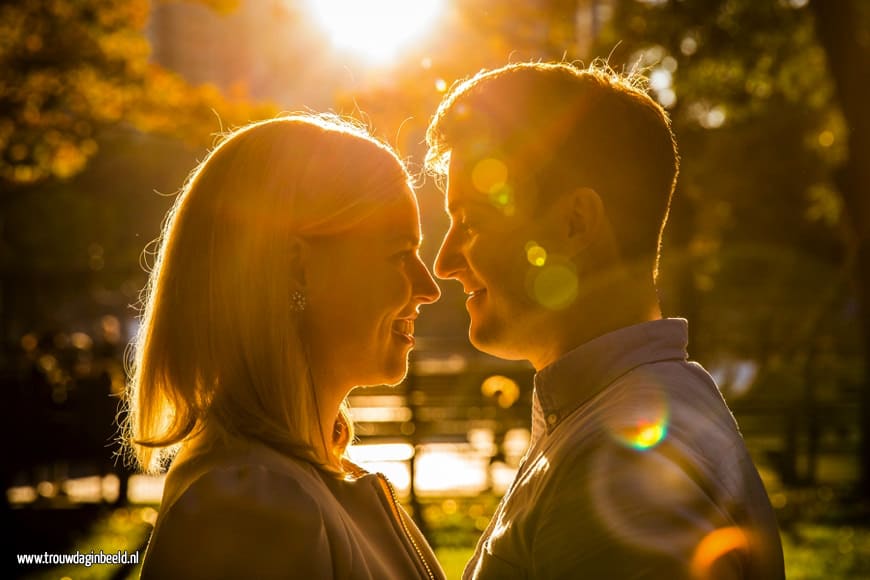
[840, 33]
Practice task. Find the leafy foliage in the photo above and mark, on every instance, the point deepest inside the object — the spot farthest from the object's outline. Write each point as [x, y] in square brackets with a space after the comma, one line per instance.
[70, 68]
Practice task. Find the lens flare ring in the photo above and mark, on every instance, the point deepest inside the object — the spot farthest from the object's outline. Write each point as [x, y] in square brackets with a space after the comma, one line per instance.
[716, 545]
[643, 424]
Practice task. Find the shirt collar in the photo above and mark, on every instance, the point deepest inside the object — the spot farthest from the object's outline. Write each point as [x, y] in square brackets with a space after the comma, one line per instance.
[585, 371]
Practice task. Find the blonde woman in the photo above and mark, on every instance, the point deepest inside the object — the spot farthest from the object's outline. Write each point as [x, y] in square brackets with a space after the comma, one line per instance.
[288, 273]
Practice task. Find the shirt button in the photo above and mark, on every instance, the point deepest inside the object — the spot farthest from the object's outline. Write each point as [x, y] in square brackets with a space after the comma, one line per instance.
[551, 419]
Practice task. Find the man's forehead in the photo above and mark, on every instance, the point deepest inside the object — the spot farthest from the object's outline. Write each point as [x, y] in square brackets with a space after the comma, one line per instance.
[461, 190]
[468, 153]
[485, 177]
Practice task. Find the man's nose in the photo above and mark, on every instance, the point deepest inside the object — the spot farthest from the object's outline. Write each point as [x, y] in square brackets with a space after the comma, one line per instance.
[426, 290]
[449, 260]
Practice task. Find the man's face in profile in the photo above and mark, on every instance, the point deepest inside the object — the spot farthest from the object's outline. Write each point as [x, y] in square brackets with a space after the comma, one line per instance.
[495, 247]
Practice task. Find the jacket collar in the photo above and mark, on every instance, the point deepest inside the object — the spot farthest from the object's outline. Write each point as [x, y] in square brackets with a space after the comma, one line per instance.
[584, 372]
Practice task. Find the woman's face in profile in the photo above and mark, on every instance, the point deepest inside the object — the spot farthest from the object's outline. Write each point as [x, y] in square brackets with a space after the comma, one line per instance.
[364, 290]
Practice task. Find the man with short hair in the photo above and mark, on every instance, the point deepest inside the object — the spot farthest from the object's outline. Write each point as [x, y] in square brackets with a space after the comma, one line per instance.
[559, 183]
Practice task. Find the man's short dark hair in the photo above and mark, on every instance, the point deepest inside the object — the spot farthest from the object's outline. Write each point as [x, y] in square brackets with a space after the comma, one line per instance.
[559, 127]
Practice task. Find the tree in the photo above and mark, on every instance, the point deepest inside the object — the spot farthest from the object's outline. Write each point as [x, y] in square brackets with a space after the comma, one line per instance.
[842, 29]
[76, 78]
[765, 128]
[71, 68]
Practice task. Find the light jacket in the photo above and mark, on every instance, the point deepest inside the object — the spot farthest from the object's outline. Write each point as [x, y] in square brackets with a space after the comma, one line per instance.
[245, 510]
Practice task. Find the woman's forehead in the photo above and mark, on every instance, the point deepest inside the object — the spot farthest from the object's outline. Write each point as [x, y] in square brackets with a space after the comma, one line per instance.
[395, 219]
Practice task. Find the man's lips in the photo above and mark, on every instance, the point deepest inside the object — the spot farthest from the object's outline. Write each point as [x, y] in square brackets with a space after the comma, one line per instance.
[475, 293]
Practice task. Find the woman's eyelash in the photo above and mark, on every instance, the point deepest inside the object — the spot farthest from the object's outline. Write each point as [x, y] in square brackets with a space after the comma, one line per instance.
[404, 254]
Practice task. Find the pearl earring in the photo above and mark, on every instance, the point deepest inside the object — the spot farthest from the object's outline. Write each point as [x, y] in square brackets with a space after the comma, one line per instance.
[298, 301]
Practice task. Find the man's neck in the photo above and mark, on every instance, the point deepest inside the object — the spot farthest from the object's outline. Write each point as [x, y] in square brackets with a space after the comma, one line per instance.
[598, 313]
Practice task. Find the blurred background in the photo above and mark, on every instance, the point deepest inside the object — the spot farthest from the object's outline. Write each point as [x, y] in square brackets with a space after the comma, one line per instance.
[106, 105]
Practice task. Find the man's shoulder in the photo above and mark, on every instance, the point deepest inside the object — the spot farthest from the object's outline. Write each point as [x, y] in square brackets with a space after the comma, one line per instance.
[669, 411]
[667, 373]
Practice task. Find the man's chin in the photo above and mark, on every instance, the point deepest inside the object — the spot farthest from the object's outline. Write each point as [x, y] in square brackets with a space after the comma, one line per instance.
[488, 341]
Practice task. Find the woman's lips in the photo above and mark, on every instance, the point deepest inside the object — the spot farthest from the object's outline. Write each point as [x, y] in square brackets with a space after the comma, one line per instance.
[404, 327]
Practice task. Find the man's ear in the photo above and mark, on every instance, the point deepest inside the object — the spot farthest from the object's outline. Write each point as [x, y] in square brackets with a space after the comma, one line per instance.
[585, 218]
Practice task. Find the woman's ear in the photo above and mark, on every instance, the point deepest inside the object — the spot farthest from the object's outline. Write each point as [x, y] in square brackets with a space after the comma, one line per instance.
[585, 218]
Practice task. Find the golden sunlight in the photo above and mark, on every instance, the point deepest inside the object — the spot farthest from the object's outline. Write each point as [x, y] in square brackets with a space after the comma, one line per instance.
[375, 29]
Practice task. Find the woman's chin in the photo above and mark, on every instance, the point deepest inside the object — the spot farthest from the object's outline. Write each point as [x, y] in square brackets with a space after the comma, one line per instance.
[395, 378]
[391, 376]
[397, 369]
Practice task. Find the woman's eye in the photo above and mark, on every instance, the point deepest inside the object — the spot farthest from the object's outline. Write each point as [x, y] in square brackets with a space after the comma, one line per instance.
[404, 255]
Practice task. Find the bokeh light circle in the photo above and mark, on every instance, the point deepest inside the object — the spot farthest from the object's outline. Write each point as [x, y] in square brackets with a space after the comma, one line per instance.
[554, 285]
[535, 254]
[489, 175]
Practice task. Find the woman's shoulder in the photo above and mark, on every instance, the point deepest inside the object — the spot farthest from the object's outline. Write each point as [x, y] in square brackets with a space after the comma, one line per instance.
[241, 469]
[246, 484]
[238, 508]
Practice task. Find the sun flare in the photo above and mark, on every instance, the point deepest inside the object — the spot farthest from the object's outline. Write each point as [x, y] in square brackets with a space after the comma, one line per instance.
[375, 29]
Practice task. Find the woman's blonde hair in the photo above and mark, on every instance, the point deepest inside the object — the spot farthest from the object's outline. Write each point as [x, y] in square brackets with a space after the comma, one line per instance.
[219, 343]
